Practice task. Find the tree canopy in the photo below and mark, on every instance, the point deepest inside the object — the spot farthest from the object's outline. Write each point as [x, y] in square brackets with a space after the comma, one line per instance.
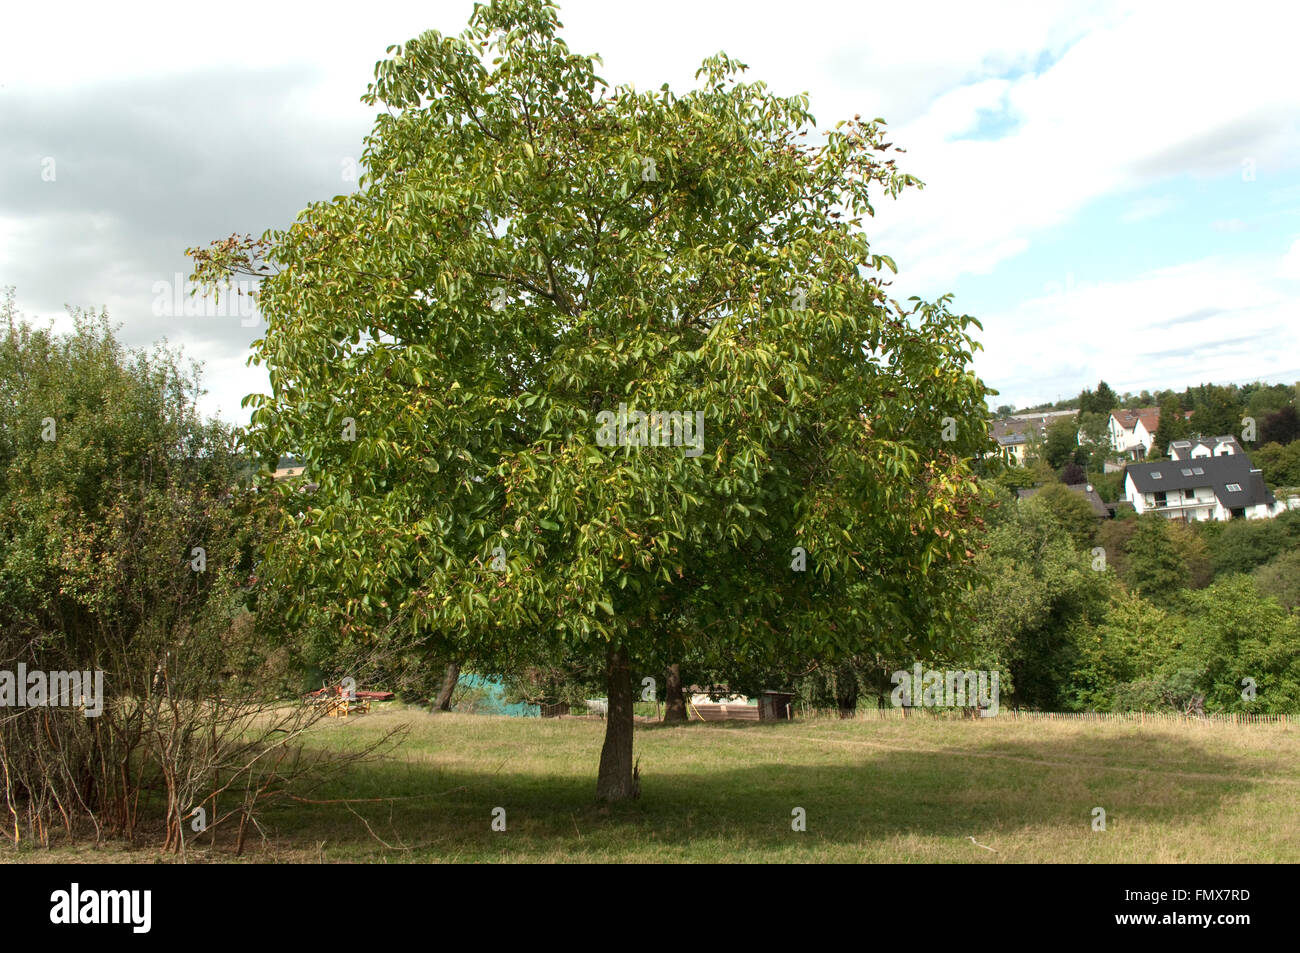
[459, 350]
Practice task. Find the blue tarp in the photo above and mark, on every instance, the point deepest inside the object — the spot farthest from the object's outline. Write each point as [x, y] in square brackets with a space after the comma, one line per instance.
[495, 701]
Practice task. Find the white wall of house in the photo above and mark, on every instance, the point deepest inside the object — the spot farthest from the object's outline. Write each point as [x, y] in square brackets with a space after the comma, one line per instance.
[1118, 435]
[1131, 494]
[1142, 438]
[1200, 503]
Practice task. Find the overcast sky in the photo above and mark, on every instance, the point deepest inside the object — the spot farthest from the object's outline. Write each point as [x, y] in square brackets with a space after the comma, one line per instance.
[1112, 189]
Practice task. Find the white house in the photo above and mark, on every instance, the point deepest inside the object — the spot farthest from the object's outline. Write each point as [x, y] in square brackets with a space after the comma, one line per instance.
[1133, 431]
[1209, 487]
[1201, 447]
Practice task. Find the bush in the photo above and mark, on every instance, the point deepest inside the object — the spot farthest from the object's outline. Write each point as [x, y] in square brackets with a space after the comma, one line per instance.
[1280, 578]
[126, 548]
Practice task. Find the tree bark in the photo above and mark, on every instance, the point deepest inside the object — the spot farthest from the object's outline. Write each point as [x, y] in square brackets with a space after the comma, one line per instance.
[846, 691]
[614, 782]
[448, 686]
[674, 700]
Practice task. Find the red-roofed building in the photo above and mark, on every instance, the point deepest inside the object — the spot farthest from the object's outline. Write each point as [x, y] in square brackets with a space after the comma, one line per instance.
[1132, 432]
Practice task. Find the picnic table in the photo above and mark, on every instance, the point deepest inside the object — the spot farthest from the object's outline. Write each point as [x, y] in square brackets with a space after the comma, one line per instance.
[340, 704]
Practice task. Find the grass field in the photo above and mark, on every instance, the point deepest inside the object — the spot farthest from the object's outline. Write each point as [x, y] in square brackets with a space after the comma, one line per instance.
[873, 792]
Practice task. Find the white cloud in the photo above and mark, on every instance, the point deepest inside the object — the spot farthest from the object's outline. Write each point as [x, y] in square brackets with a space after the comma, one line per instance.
[1217, 319]
[1131, 104]
[1097, 100]
[1147, 208]
[1290, 267]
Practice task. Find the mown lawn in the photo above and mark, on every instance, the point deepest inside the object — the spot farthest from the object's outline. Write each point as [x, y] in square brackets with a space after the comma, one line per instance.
[873, 791]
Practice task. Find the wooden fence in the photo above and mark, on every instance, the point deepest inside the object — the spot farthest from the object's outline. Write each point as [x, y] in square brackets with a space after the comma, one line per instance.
[1018, 714]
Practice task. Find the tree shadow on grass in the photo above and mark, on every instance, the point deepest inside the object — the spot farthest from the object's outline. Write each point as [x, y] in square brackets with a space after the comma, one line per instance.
[734, 796]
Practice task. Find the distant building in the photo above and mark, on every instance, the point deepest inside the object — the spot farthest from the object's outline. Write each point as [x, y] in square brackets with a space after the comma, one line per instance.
[1200, 447]
[1099, 507]
[1221, 486]
[1133, 431]
[1015, 433]
[1011, 444]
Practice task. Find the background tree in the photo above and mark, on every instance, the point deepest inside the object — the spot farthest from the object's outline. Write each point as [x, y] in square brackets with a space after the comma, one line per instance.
[1135, 640]
[1109, 486]
[1172, 426]
[1099, 402]
[1038, 589]
[1062, 442]
[1260, 399]
[528, 250]
[1071, 511]
[1280, 464]
[1095, 440]
[1015, 478]
[1190, 546]
[1233, 635]
[1280, 578]
[1239, 546]
[1073, 474]
[1154, 568]
[1216, 411]
[1281, 426]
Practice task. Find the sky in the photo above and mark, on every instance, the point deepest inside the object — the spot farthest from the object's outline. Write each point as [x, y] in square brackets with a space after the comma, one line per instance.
[1112, 189]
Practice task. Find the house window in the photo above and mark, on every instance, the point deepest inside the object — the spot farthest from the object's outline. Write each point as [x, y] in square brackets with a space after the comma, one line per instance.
[1189, 494]
[1238, 512]
[1187, 473]
[1234, 487]
[1160, 498]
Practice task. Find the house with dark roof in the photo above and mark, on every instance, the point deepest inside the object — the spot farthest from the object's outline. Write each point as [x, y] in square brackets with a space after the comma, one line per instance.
[1199, 447]
[1099, 507]
[1220, 487]
[1012, 440]
[1015, 433]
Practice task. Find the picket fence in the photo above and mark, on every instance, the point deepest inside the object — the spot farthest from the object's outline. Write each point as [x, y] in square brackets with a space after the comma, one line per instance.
[1016, 714]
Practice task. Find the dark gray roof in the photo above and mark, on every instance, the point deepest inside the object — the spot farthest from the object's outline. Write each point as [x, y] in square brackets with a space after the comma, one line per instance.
[1185, 447]
[1214, 472]
[1099, 507]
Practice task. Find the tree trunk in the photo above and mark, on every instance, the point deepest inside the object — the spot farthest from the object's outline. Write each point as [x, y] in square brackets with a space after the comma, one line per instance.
[674, 700]
[846, 691]
[448, 686]
[614, 783]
